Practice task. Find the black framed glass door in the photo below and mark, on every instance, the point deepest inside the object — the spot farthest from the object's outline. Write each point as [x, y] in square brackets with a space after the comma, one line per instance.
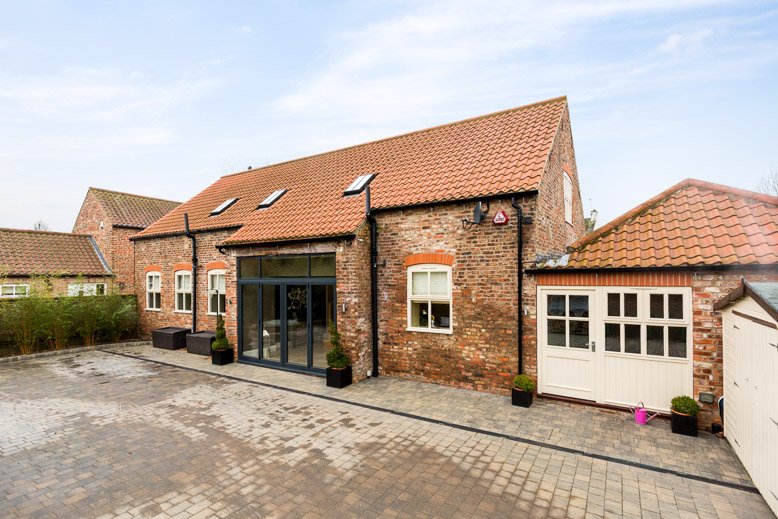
[284, 322]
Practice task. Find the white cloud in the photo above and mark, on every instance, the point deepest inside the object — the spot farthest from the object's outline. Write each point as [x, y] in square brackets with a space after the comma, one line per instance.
[684, 42]
[244, 29]
[444, 54]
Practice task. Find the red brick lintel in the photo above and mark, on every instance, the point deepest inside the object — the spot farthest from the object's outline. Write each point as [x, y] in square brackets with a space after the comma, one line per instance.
[436, 258]
[605, 279]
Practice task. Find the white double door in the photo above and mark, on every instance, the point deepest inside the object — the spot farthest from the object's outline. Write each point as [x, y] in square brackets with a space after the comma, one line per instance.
[567, 347]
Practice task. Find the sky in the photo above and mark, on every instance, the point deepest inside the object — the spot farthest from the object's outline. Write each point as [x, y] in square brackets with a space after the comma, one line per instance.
[161, 98]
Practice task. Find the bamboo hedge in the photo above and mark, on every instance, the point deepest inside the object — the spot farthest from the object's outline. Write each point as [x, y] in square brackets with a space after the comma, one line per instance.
[42, 322]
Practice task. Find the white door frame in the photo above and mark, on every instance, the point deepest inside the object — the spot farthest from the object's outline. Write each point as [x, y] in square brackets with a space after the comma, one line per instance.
[582, 361]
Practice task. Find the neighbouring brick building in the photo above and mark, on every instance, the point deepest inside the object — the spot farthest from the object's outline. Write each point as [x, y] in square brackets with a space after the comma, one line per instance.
[628, 315]
[284, 249]
[51, 262]
[111, 218]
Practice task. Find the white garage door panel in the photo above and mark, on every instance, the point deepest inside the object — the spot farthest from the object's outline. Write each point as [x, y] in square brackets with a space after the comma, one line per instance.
[640, 379]
[751, 392]
[568, 376]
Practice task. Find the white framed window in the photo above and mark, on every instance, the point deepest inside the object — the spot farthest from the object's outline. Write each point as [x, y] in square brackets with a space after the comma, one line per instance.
[153, 291]
[653, 323]
[429, 298]
[217, 297]
[568, 319]
[13, 291]
[86, 289]
[184, 291]
[568, 196]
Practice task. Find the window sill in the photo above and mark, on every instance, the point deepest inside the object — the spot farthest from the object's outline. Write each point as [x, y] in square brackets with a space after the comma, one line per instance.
[443, 331]
[153, 309]
[215, 314]
[182, 311]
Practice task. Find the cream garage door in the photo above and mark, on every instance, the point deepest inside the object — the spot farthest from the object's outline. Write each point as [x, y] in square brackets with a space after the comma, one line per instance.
[615, 345]
[567, 346]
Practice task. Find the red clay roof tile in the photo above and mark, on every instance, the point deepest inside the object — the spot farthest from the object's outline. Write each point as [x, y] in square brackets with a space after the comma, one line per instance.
[125, 209]
[30, 253]
[499, 153]
[693, 223]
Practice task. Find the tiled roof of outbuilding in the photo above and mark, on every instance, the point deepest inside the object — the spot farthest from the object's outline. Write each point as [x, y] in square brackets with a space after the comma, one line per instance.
[128, 210]
[694, 223]
[499, 153]
[29, 253]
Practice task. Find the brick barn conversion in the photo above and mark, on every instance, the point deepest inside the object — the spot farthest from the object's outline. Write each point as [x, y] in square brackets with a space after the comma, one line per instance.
[111, 218]
[96, 257]
[456, 255]
[628, 314]
[282, 250]
[54, 262]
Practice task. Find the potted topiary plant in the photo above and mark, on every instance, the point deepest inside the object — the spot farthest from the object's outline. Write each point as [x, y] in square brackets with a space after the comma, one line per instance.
[338, 365]
[521, 393]
[683, 415]
[221, 351]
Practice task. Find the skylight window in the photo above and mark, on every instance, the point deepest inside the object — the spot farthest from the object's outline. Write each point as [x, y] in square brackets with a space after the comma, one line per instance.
[359, 184]
[224, 206]
[271, 199]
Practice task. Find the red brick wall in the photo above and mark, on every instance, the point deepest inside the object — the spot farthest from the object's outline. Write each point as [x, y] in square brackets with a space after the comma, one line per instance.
[708, 286]
[113, 242]
[56, 285]
[166, 252]
[353, 285]
[122, 261]
[88, 222]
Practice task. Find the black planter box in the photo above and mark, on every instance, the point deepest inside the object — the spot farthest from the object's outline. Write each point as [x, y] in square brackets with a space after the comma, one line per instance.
[683, 424]
[339, 377]
[521, 398]
[169, 337]
[199, 343]
[222, 357]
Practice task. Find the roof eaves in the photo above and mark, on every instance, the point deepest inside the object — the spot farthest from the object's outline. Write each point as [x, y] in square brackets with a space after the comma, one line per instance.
[100, 255]
[743, 289]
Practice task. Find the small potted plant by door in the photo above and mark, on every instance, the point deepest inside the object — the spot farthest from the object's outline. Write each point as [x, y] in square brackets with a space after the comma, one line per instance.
[338, 366]
[683, 418]
[221, 351]
[521, 393]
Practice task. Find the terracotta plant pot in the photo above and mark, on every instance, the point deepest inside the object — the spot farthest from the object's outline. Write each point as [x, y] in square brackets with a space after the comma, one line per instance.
[339, 377]
[521, 398]
[683, 423]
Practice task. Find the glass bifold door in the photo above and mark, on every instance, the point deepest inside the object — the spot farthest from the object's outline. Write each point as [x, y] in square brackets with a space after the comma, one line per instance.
[285, 322]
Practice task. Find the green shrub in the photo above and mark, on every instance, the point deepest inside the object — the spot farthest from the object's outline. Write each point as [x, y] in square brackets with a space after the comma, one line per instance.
[40, 321]
[685, 405]
[220, 342]
[524, 383]
[336, 357]
[118, 317]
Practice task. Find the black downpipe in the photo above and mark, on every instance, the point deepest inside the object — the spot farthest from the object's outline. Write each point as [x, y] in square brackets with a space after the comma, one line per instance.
[520, 282]
[192, 237]
[373, 279]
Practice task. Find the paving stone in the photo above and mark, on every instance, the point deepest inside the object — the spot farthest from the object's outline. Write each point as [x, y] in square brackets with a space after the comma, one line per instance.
[97, 434]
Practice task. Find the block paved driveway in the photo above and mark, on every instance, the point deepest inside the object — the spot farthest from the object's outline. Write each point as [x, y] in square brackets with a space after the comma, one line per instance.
[98, 434]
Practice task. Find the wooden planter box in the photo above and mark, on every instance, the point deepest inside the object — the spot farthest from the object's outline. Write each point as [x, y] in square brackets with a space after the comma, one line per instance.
[521, 398]
[169, 337]
[222, 357]
[683, 424]
[339, 377]
[200, 343]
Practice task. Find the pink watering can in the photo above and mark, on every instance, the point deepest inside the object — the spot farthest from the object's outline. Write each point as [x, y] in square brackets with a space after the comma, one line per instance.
[641, 414]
